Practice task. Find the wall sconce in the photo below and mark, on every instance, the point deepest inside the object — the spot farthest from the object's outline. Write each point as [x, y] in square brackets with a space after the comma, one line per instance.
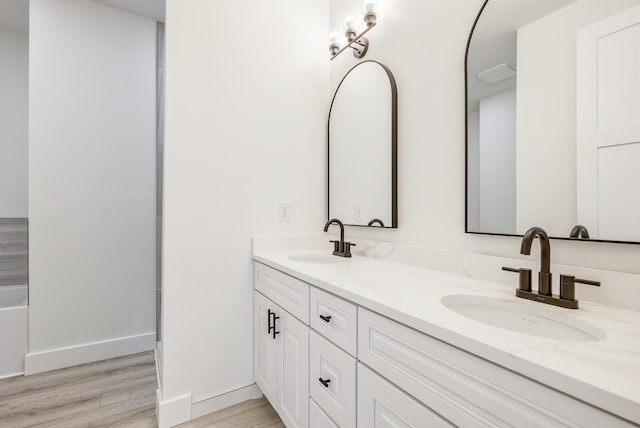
[355, 41]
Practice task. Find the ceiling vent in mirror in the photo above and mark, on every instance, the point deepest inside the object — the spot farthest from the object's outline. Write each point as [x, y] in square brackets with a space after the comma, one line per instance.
[496, 74]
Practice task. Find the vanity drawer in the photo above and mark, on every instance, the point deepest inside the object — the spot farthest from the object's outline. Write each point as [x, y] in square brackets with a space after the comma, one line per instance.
[334, 318]
[466, 390]
[290, 293]
[382, 405]
[318, 418]
[336, 393]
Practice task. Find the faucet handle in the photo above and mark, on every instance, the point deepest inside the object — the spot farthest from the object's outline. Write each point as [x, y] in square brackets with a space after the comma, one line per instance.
[347, 249]
[524, 277]
[336, 247]
[568, 286]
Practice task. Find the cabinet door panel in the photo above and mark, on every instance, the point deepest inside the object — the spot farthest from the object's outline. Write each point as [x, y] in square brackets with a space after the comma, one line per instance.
[264, 348]
[318, 418]
[382, 405]
[330, 363]
[293, 371]
[288, 292]
[334, 318]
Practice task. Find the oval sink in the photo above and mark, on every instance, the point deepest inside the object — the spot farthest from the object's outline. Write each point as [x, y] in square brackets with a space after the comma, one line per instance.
[314, 258]
[523, 318]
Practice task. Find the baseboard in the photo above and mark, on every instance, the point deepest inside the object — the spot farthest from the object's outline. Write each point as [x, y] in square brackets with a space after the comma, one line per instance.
[213, 404]
[38, 362]
[172, 412]
[7, 376]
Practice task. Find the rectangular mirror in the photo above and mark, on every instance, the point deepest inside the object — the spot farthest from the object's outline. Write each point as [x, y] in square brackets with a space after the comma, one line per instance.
[553, 118]
[362, 145]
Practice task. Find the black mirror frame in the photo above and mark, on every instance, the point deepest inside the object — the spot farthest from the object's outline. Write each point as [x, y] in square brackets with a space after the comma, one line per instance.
[466, 156]
[394, 145]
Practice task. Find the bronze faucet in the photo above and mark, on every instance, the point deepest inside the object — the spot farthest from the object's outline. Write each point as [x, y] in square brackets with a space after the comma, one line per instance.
[340, 248]
[566, 299]
[579, 231]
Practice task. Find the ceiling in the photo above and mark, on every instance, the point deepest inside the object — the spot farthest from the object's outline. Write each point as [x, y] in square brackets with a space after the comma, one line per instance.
[494, 41]
[14, 14]
[153, 9]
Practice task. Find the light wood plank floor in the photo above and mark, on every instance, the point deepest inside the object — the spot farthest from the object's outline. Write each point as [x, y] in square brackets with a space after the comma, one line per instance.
[114, 393]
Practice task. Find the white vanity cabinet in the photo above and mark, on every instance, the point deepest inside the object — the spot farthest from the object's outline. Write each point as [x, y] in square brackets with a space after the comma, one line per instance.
[326, 362]
[281, 345]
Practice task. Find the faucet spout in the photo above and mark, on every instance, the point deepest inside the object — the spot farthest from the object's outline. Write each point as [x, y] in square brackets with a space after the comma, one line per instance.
[579, 231]
[339, 223]
[544, 284]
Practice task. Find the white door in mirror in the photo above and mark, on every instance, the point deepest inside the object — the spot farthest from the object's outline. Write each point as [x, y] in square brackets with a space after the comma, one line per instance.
[608, 126]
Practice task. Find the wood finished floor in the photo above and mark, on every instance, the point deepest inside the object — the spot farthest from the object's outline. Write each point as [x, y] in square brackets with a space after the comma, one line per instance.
[114, 393]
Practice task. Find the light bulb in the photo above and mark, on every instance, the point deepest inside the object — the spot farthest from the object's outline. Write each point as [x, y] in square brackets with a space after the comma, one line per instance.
[350, 22]
[370, 16]
[370, 5]
[335, 38]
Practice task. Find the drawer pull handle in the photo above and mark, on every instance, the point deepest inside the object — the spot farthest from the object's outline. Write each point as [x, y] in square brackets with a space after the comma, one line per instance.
[272, 328]
[325, 382]
[326, 318]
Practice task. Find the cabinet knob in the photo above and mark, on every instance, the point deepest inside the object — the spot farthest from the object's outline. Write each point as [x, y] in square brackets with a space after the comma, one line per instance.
[326, 318]
[325, 382]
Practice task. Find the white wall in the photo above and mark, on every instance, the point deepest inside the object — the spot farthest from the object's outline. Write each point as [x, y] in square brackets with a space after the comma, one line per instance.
[247, 103]
[426, 56]
[14, 69]
[497, 162]
[547, 154]
[91, 182]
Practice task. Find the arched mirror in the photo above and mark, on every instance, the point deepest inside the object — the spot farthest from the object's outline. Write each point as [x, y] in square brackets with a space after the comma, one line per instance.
[362, 145]
[553, 118]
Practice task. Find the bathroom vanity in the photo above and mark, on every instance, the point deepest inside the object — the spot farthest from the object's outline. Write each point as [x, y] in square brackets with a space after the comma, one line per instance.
[367, 342]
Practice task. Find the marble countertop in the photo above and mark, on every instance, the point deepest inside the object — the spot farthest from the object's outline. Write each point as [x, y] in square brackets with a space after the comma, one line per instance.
[605, 373]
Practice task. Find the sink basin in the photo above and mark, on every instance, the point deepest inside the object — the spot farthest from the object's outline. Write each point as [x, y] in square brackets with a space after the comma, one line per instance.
[523, 318]
[314, 258]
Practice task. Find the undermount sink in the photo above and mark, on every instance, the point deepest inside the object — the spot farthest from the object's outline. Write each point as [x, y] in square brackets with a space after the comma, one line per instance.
[522, 317]
[314, 258]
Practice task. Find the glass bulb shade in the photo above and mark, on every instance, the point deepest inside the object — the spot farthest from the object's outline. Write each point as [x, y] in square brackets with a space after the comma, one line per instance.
[334, 37]
[350, 22]
[370, 5]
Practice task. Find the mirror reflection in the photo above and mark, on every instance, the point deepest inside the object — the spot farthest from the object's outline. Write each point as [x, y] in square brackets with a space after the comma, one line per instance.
[553, 118]
[362, 141]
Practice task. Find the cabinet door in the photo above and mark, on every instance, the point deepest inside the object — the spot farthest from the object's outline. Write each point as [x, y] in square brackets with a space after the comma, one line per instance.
[332, 380]
[264, 347]
[293, 370]
[382, 405]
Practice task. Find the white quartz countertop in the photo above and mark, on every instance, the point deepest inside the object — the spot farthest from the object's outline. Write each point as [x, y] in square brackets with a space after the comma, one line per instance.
[605, 373]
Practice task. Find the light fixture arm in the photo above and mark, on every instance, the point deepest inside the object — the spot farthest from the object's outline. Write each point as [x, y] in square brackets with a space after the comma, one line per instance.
[360, 40]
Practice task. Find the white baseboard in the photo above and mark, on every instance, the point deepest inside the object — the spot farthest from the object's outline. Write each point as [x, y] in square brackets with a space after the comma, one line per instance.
[172, 412]
[7, 376]
[38, 362]
[213, 404]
